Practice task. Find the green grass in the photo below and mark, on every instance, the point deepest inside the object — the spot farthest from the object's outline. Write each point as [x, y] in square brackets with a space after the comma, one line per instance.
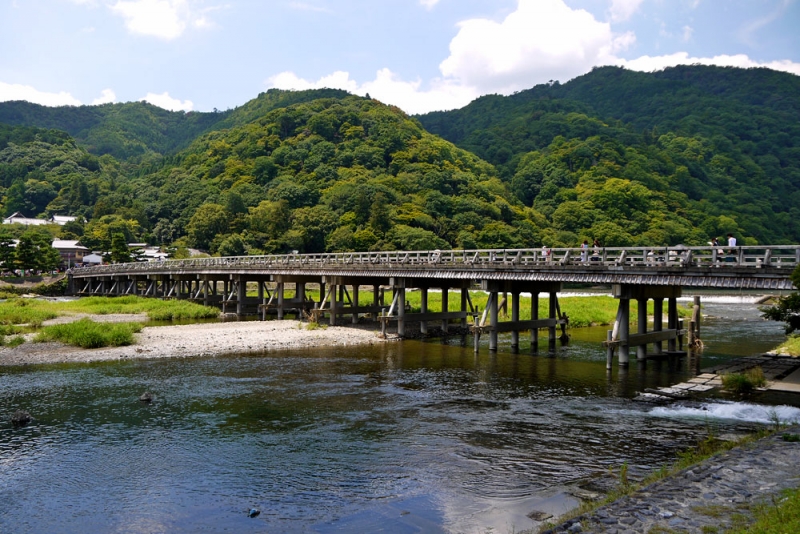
[780, 515]
[34, 311]
[156, 309]
[791, 346]
[706, 448]
[744, 382]
[582, 311]
[15, 341]
[25, 311]
[88, 334]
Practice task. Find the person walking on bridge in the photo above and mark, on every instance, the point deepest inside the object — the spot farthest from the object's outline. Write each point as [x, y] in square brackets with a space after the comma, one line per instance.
[731, 248]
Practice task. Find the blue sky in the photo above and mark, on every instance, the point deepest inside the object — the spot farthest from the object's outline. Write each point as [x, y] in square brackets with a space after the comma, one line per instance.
[420, 55]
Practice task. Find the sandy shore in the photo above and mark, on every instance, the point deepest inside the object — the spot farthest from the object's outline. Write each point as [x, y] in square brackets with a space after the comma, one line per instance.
[208, 339]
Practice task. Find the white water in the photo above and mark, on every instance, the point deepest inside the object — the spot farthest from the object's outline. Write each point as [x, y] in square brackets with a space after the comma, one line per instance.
[731, 411]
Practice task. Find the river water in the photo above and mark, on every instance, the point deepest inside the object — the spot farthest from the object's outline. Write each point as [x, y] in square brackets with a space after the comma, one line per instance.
[399, 437]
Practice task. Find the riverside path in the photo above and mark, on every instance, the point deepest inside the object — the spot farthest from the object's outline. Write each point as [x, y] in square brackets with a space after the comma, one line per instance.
[640, 273]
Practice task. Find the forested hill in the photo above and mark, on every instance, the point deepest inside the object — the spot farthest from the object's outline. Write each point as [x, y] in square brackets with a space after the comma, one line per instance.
[726, 139]
[678, 156]
[136, 130]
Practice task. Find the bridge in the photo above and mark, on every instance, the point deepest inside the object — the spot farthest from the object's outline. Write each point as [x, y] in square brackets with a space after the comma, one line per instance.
[640, 273]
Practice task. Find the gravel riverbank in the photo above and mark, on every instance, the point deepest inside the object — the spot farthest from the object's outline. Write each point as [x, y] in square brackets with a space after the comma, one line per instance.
[206, 339]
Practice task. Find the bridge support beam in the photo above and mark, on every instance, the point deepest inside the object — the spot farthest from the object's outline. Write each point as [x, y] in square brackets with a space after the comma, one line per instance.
[624, 340]
[515, 325]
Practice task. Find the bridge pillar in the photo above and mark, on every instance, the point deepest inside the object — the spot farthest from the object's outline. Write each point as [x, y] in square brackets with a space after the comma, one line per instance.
[423, 325]
[515, 319]
[401, 311]
[641, 350]
[643, 293]
[464, 299]
[551, 337]
[493, 320]
[376, 300]
[333, 292]
[445, 307]
[279, 289]
[300, 295]
[658, 322]
[355, 302]
[672, 321]
[241, 295]
[624, 329]
[261, 301]
[534, 317]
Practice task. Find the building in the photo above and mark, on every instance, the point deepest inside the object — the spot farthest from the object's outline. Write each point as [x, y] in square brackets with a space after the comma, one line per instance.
[19, 218]
[71, 251]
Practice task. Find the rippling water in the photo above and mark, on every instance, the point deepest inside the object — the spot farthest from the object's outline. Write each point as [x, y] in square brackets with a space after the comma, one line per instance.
[401, 437]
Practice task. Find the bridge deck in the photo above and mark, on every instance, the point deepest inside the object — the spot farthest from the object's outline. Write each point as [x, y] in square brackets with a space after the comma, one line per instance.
[757, 267]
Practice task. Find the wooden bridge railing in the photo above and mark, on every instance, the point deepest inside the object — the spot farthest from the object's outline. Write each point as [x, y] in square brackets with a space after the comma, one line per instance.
[773, 256]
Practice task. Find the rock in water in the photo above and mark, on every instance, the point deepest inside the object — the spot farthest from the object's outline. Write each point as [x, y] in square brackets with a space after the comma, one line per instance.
[253, 512]
[146, 397]
[20, 418]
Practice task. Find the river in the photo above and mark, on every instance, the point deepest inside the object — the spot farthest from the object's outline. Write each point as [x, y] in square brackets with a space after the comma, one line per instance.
[399, 437]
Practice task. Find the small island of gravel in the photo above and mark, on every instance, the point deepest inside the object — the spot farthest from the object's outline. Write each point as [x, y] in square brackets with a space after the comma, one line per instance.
[203, 339]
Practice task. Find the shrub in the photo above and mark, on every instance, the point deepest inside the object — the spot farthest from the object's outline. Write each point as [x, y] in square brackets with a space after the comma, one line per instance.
[89, 334]
[746, 382]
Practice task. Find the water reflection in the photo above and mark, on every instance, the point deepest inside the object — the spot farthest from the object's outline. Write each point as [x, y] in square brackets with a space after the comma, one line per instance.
[427, 436]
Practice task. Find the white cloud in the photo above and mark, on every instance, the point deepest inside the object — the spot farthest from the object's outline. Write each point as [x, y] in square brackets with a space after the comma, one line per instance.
[167, 102]
[337, 80]
[622, 10]
[688, 31]
[387, 87]
[649, 64]
[165, 19]
[17, 91]
[106, 97]
[540, 41]
[428, 4]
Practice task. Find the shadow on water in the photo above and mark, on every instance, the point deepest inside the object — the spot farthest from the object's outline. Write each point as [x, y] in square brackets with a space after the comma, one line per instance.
[412, 436]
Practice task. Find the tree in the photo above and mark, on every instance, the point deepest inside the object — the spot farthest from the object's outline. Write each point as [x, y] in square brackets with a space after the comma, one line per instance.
[207, 222]
[35, 252]
[119, 249]
[787, 308]
[233, 245]
[7, 251]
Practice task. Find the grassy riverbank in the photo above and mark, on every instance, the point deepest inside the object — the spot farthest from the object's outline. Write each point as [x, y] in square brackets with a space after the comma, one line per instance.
[790, 347]
[25, 315]
[582, 311]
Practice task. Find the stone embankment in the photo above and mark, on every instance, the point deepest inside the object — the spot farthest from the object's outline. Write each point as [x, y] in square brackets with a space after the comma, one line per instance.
[709, 497]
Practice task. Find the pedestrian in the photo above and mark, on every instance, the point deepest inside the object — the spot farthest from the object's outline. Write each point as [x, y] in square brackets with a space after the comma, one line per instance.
[596, 250]
[731, 248]
[584, 249]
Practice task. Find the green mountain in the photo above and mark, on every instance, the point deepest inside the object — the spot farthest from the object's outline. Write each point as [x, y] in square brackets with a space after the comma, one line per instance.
[136, 129]
[677, 156]
[723, 143]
